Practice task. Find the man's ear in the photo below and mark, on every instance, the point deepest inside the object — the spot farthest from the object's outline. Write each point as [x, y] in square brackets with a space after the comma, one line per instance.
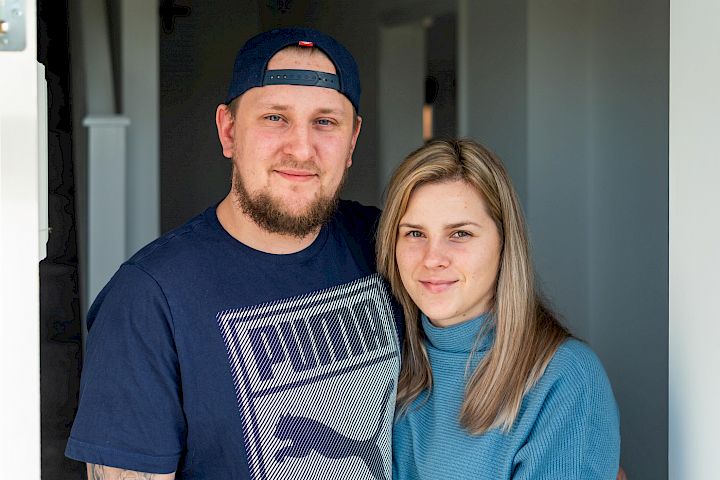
[353, 141]
[225, 123]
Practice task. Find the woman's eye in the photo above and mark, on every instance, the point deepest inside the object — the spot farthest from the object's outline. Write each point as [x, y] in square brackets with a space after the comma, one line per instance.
[461, 234]
[414, 234]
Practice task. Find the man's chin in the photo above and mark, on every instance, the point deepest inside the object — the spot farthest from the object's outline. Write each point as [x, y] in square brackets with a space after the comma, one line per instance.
[275, 216]
[289, 213]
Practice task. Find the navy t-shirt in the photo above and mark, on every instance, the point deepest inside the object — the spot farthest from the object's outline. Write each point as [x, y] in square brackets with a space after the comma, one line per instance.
[218, 361]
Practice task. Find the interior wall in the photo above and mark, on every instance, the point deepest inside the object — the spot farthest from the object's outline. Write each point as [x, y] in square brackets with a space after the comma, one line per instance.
[628, 309]
[573, 97]
[196, 61]
[694, 229]
[354, 24]
[441, 50]
[402, 93]
[139, 99]
[597, 203]
[492, 71]
[557, 159]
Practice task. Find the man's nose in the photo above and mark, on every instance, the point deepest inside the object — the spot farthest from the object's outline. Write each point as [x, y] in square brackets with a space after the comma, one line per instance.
[299, 143]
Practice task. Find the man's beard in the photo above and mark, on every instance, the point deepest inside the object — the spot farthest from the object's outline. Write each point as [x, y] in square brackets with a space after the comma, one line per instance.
[268, 212]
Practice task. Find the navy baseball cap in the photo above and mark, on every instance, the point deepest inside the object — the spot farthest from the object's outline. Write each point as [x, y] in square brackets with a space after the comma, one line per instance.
[250, 68]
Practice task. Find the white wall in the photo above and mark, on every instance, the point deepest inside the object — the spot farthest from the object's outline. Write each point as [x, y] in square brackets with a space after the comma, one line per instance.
[694, 233]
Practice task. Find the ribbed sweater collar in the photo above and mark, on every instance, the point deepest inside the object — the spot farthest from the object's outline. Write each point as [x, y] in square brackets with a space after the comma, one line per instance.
[459, 338]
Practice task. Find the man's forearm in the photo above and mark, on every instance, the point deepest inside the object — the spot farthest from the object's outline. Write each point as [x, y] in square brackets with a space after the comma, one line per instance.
[101, 472]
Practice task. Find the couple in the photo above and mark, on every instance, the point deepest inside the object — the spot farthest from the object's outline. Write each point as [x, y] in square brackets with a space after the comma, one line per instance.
[257, 341]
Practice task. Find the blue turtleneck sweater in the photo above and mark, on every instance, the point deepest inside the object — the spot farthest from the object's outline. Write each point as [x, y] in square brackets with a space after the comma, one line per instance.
[567, 427]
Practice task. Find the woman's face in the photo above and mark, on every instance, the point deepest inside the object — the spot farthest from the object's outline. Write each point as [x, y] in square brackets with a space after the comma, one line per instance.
[448, 252]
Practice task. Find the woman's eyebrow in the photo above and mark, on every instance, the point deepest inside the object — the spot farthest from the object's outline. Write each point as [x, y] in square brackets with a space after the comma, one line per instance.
[451, 225]
[462, 224]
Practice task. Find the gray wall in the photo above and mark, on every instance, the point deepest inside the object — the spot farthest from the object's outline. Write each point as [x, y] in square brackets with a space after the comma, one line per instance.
[572, 95]
[557, 160]
[597, 196]
[628, 309]
[402, 94]
[195, 64]
[492, 80]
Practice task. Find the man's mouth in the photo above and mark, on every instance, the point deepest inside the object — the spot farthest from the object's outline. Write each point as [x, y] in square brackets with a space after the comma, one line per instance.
[296, 175]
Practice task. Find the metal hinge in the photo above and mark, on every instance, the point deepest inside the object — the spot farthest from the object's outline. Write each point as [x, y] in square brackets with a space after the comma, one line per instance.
[12, 25]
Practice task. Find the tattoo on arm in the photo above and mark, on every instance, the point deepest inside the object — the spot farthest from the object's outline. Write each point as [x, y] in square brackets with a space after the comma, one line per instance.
[101, 472]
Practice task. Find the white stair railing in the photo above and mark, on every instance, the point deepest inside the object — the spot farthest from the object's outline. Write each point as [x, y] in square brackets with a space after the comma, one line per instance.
[107, 171]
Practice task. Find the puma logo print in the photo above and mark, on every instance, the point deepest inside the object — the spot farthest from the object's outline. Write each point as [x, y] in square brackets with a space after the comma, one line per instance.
[307, 434]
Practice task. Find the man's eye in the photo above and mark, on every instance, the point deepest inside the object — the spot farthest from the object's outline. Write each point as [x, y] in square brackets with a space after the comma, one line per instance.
[324, 121]
[273, 118]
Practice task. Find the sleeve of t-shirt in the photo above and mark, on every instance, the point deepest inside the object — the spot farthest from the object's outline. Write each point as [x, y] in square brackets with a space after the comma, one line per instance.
[130, 413]
[576, 434]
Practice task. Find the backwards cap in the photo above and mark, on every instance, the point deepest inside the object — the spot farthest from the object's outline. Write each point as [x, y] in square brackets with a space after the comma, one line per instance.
[250, 68]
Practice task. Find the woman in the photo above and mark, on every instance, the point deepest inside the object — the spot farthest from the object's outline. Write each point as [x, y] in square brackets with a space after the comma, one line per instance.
[491, 385]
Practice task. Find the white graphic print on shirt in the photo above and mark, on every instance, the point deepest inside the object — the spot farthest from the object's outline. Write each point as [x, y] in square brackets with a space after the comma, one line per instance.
[315, 379]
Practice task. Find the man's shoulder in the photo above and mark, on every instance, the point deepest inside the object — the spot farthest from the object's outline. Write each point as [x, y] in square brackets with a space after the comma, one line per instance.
[358, 217]
[178, 243]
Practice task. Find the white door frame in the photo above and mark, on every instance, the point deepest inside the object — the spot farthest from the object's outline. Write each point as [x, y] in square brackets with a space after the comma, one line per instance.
[19, 240]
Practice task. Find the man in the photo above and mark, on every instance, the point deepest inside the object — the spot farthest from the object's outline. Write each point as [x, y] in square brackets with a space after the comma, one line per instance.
[255, 341]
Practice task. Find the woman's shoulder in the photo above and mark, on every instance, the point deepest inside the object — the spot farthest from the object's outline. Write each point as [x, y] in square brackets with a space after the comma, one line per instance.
[575, 364]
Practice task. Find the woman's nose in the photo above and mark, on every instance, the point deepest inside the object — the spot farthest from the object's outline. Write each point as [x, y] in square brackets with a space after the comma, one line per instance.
[436, 255]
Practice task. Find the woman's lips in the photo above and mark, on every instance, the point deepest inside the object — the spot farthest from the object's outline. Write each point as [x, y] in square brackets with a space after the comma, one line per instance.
[437, 286]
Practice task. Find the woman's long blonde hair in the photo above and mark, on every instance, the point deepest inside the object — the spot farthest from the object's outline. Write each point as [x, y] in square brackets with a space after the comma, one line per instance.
[526, 334]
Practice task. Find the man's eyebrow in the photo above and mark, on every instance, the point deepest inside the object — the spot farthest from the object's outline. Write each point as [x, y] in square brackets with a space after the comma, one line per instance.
[284, 108]
[273, 106]
[328, 111]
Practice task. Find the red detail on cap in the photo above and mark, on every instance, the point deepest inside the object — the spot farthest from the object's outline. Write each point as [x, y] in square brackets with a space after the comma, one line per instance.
[303, 43]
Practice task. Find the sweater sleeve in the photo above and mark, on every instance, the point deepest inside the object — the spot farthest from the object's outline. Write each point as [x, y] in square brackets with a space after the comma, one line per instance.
[576, 432]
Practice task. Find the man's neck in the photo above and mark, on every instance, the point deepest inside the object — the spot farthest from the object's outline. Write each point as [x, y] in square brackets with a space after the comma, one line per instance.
[245, 230]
